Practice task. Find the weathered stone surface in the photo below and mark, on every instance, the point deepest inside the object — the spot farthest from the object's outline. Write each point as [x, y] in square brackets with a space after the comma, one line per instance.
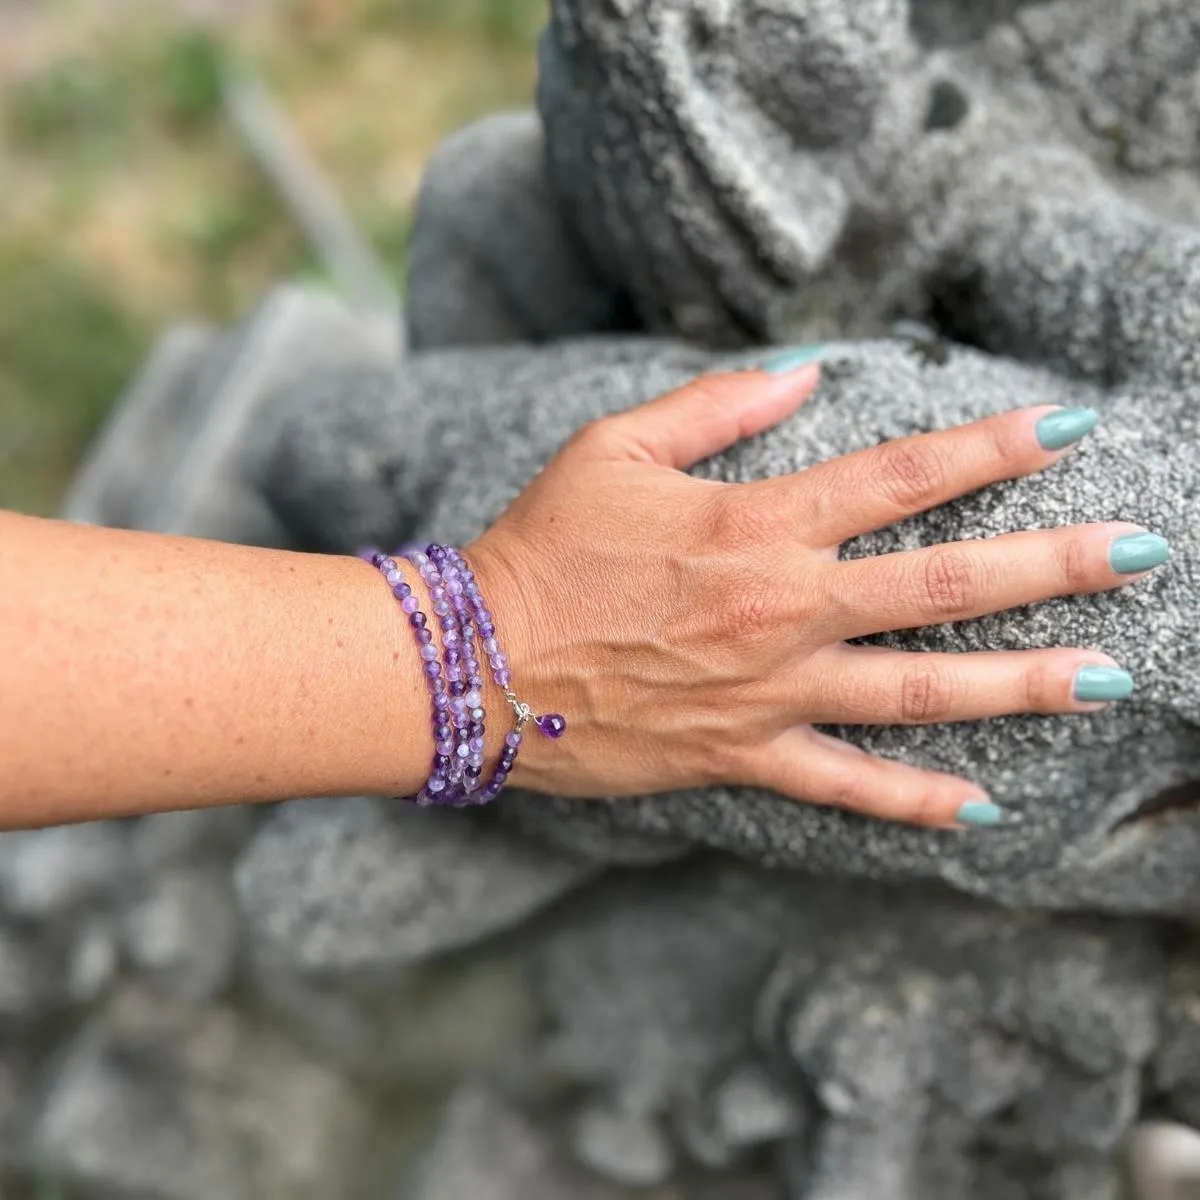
[352, 887]
[160, 1101]
[182, 933]
[922, 1034]
[47, 872]
[484, 191]
[745, 169]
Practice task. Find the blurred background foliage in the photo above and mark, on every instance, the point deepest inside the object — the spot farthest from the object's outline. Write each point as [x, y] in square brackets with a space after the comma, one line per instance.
[127, 201]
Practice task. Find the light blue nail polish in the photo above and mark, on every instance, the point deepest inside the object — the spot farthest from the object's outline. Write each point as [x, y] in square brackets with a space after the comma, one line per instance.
[980, 813]
[1101, 684]
[1058, 430]
[1138, 552]
[793, 360]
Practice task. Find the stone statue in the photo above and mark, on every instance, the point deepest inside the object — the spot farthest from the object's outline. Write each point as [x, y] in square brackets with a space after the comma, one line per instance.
[972, 206]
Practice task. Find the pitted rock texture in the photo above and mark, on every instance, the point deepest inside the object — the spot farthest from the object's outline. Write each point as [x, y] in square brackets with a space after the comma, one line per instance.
[862, 1040]
[742, 169]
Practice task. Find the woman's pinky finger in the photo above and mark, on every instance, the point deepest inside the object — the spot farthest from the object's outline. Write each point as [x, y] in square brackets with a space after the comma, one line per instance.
[813, 767]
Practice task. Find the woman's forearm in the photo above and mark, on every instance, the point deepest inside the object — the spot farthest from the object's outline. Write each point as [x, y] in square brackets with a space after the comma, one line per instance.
[145, 672]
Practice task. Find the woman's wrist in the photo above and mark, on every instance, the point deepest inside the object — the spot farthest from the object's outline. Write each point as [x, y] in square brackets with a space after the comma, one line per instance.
[524, 633]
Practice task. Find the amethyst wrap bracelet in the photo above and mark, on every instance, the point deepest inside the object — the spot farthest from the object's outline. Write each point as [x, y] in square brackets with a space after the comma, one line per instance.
[456, 684]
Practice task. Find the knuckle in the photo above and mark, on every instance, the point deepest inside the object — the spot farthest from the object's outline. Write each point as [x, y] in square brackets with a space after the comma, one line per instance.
[950, 582]
[1039, 689]
[926, 807]
[914, 473]
[748, 610]
[927, 695]
[851, 792]
[597, 438]
[1074, 564]
[738, 522]
[1007, 445]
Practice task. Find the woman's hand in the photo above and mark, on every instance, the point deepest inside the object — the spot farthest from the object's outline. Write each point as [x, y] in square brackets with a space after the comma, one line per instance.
[694, 632]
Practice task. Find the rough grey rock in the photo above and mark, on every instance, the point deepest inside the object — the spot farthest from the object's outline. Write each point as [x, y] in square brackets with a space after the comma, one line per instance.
[484, 1148]
[920, 1035]
[188, 836]
[742, 169]
[484, 191]
[487, 1148]
[368, 886]
[415, 1032]
[47, 872]
[181, 934]
[140, 1106]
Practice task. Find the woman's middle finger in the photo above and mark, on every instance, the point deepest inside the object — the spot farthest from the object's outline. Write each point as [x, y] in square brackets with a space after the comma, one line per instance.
[958, 581]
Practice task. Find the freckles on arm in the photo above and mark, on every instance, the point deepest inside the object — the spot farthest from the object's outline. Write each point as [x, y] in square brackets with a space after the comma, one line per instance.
[142, 672]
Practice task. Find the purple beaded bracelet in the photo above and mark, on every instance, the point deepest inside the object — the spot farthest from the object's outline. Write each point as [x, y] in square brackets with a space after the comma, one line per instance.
[457, 688]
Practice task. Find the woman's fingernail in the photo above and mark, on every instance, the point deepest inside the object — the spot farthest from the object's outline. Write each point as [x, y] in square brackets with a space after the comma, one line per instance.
[792, 360]
[1101, 684]
[1058, 430]
[981, 813]
[1138, 552]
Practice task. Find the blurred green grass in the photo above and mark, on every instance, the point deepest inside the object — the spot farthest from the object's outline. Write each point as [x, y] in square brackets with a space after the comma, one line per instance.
[128, 203]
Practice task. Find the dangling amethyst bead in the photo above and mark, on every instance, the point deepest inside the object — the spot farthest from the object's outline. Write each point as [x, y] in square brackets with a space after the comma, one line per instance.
[552, 725]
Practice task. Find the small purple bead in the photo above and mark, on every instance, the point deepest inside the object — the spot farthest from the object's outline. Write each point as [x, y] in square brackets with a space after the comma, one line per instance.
[433, 669]
[513, 739]
[441, 608]
[424, 637]
[477, 714]
[476, 682]
[453, 657]
[428, 652]
[442, 731]
[504, 678]
[417, 620]
[437, 593]
[402, 591]
[393, 577]
[463, 751]
[476, 744]
[491, 646]
[473, 699]
[441, 700]
[454, 674]
[460, 689]
[436, 784]
[552, 725]
[452, 637]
